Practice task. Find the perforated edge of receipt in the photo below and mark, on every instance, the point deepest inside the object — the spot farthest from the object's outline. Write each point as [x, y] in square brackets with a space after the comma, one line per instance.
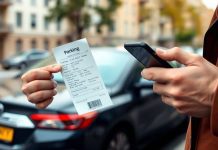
[81, 76]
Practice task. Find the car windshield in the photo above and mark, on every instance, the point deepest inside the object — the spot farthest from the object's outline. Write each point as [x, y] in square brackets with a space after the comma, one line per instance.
[111, 63]
[18, 54]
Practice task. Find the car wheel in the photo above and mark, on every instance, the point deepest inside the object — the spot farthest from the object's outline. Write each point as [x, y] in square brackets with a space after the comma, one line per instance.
[119, 140]
[22, 66]
[6, 68]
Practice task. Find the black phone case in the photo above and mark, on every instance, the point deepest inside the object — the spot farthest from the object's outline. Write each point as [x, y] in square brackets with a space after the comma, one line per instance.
[130, 47]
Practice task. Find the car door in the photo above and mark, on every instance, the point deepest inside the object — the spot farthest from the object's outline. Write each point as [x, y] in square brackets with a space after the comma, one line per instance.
[152, 113]
[34, 57]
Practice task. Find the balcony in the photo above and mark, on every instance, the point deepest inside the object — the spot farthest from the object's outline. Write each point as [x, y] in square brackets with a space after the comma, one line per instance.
[4, 29]
[4, 4]
[142, 2]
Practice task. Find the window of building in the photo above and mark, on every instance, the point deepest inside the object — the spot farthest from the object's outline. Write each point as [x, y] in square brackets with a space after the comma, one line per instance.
[19, 45]
[33, 21]
[33, 44]
[46, 44]
[19, 1]
[97, 2]
[58, 27]
[59, 42]
[142, 28]
[46, 23]
[126, 28]
[46, 3]
[19, 19]
[112, 27]
[33, 2]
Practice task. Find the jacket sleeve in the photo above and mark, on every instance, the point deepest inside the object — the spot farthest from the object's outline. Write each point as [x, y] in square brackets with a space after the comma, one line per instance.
[214, 115]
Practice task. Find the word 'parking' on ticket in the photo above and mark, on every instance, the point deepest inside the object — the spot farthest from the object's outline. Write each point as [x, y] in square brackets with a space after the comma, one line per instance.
[81, 76]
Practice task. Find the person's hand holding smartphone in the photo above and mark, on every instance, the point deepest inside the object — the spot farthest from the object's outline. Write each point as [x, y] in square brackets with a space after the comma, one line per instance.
[146, 55]
[182, 88]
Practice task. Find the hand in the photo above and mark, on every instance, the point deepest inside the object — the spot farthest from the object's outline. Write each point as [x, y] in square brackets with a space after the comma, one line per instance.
[39, 86]
[189, 89]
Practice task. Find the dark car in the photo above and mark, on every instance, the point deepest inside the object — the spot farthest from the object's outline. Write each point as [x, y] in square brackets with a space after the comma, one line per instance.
[137, 117]
[24, 59]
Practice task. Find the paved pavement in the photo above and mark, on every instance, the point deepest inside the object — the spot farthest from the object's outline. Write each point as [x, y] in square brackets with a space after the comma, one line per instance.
[177, 144]
[5, 74]
[173, 141]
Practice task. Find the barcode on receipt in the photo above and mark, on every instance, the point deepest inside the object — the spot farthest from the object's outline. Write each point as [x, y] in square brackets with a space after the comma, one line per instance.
[94, 104]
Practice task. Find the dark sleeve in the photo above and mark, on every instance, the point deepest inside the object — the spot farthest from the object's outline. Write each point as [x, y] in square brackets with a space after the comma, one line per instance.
[214, 114]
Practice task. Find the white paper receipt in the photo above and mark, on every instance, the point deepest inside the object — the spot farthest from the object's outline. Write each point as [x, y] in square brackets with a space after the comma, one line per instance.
[81, 76]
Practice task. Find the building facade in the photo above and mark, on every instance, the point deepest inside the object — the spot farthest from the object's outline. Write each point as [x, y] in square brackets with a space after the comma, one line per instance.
[30, 28]
[128, 26]
[125, 24]
[24, 26]
[4, 26]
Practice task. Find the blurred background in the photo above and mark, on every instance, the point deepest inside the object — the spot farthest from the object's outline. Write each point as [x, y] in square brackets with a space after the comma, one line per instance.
[45, 24]
[29, 29]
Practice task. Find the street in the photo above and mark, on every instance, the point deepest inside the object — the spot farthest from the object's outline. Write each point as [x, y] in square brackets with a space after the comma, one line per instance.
[5, 74]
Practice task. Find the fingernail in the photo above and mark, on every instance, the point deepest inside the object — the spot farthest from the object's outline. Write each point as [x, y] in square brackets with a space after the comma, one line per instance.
[146, 75]
[56, 66]
[55, 83]
[55, 92]
[160, 51]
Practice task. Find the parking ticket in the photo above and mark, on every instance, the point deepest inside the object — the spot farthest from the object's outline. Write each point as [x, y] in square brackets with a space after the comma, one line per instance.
[81, 76]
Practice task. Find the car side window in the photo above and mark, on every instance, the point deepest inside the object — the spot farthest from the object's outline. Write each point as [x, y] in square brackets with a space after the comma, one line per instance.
[35, 55]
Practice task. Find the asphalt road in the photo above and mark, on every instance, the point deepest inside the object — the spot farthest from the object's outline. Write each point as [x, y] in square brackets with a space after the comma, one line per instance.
[173, 141]
[5, 74]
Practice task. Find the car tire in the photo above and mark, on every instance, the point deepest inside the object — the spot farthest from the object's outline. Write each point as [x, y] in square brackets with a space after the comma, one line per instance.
[119, 140]
[6, 68]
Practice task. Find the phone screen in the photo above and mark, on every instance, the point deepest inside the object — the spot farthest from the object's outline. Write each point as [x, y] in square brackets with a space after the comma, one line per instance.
[146, 55]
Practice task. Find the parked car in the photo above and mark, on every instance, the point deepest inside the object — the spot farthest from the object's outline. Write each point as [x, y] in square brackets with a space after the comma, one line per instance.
[187, 48]
[136, 118]
[24, 59]
[199, 51]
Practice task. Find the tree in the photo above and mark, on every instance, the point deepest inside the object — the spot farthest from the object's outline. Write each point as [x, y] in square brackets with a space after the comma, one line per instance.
[175, 10]
[78, 14]
[106, 14]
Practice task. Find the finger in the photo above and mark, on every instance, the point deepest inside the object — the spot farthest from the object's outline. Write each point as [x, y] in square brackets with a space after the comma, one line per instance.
[179, 105]
[44, 104]
[36, 74]
[39, 85]
[161, 89]
[52, 68]
[177, 54]
[169, 101]
[157, 74]
[41, 96]
[169, 90]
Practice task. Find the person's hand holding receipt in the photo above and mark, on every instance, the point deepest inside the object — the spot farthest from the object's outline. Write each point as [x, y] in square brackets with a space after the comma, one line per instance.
[39, 86]
[189, 89]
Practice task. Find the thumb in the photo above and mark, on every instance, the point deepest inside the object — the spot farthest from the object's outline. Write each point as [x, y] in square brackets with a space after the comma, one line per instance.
[52, 68]
[175, 54]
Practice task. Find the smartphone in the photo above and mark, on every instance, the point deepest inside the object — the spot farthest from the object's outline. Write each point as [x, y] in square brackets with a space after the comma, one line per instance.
[146, 55]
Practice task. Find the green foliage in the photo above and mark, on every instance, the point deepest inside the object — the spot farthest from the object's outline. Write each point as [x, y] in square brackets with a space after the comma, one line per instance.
[144, 13]
[106, 14]
[78, 14]
[176, 10]
[196, 20]
[185, 36]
